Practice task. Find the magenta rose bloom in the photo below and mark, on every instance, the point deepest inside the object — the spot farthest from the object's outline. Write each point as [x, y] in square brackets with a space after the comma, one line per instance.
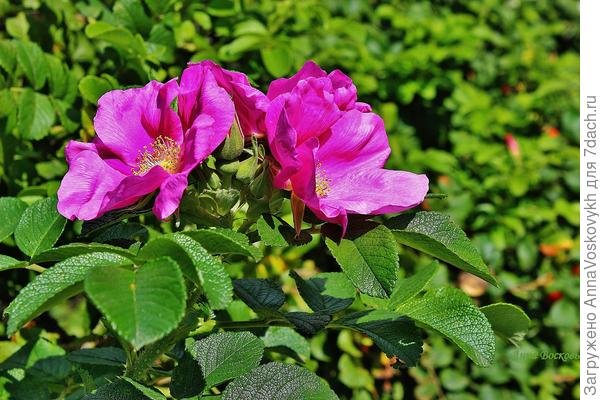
[250, 103]
[331, 149]
[142, 144]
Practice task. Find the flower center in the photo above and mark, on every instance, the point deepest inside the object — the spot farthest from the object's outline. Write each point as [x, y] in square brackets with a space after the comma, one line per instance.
[322, 182]
[164, 151]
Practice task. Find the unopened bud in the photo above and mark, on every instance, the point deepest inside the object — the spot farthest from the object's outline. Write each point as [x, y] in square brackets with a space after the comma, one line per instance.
[234, 143]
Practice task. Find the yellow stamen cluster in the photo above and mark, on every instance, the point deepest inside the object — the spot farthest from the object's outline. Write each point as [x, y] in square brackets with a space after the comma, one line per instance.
[322, 182]
[164, 151]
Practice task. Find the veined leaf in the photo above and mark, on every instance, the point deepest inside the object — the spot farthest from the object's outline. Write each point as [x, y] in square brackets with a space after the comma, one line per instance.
[409, 287]
[308, 324]
[74, 249]
[452, 313]
[119, 389]
[7, 262]
[112, 356]
[36, 115]
[11, 210]
[31, 59]
[40, 227]
[225, 241]
[55, 285]
[274, 231]
[142, 305]
[369, 258]
[187, 380]
[435, 234]
[326, 292]
[393, 334]
[260, 294]
[278, 381]
[507, 320]
[282, 337]
[195, 262]
[226, 355]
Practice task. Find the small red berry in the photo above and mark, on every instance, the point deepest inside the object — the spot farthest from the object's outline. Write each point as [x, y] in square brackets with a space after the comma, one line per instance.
[554, 296]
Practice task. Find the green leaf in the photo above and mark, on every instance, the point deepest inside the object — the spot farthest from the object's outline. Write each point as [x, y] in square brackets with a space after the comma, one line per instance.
[308, 324]
[73, 249]
[119, 389]
[11, 210]
[393, 334]
[226, 355]
[234, 50]
[195, 262]
[186, 380]
[369, 257]
[36, 115]
[409, 287]
[353, 374]
[149, 393]
[92, 87]
[454, 380]
[225, 241]
[133, 14]
[274, 231]
[58, 77]
[7, 262]
[507, 320]
[7, 56]
[142, 305]
[277, 59]
[222, 8]
[31, 59]
[55, 285]
[278, 381]
[282, 337]
[435, 234]
[31, 353]
[326, 292]
[123, 234]
[40, 227]
[451, 312]
[111, 356]
[260, 294]
[18, 26]
[121, 38]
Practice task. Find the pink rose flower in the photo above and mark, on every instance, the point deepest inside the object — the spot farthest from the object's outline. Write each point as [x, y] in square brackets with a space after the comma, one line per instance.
[331, 149]
[143, 145]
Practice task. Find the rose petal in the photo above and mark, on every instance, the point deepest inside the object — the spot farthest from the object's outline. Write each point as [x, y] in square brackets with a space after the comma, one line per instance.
[127, 120]
[84, 187]
[250, 103]
[357, 140]
[311, 108]
[132, 188]
[344, 90]
[201, 95]
[169, 197]
[285, 85]
[377, 191]
[282, 141]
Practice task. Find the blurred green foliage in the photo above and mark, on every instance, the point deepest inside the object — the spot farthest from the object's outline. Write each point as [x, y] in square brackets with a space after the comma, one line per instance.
[455, 81]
